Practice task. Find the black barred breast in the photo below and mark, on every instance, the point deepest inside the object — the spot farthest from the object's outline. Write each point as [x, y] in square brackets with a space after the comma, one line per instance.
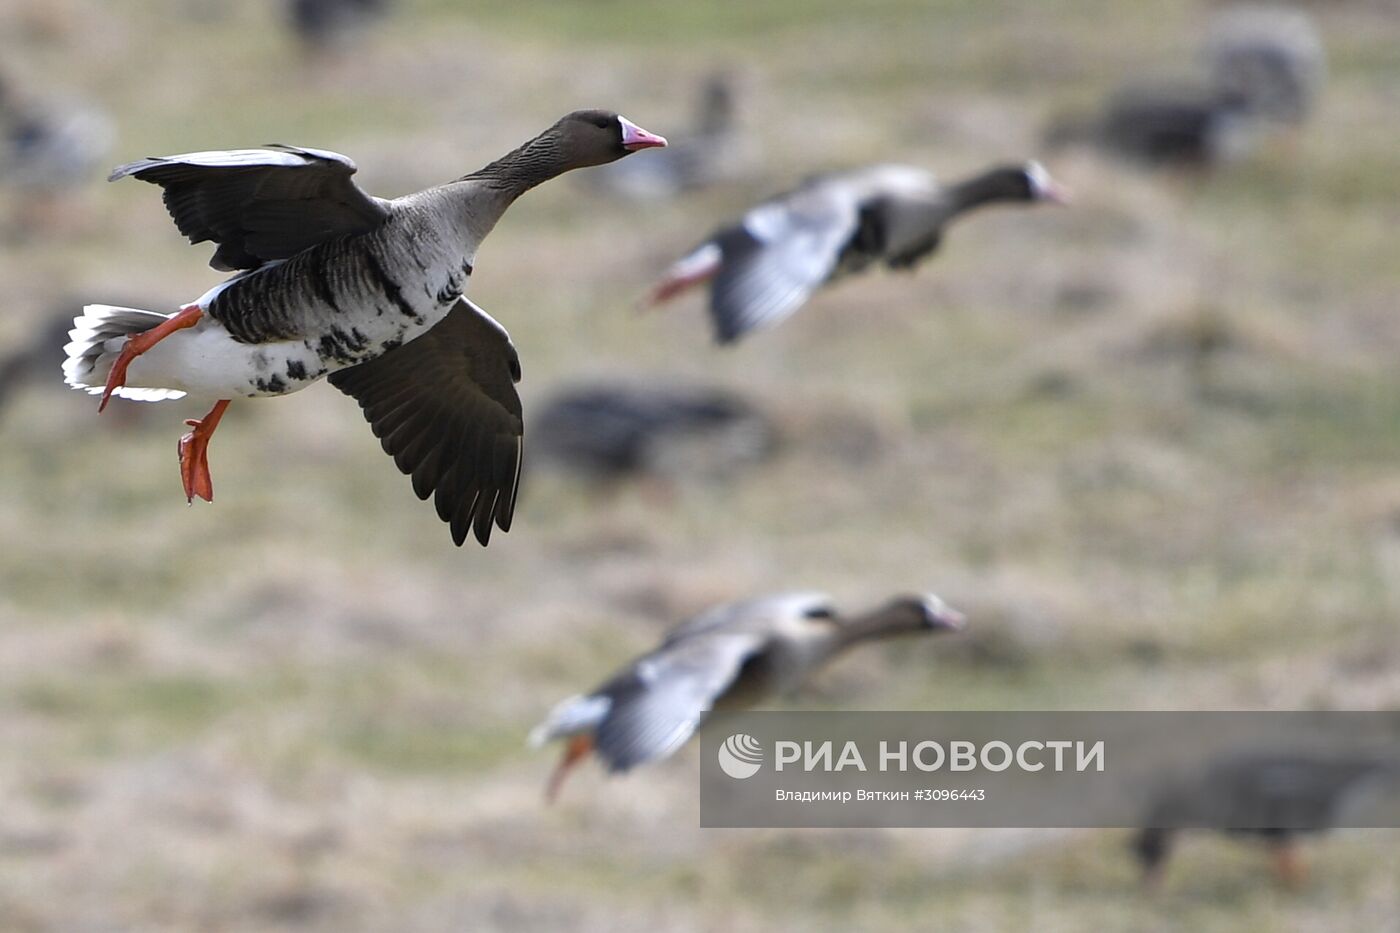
[350, 298]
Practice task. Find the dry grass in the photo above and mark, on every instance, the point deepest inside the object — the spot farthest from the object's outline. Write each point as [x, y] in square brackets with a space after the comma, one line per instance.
[1150, 444]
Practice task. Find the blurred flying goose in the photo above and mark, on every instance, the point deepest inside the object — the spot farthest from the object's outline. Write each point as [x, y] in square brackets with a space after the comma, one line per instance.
[713, 151]
[330, 281]
[1274, 798]
[610, 430]
[769, 263]
[732, 656]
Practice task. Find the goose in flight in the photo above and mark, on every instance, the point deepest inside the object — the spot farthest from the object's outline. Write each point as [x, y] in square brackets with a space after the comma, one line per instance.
[767, 265]
[329, 281]
[731, 657]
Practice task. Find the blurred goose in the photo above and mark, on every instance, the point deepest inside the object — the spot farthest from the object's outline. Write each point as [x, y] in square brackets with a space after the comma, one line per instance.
[769, 263]
[1299, 791]
[1164, 126]
[610, 430]
[320, 24]
[712, 152]
[1262, 66]
[48, 149]
[732, 656]
[44, 349]
[330, 281]
[1270, 57]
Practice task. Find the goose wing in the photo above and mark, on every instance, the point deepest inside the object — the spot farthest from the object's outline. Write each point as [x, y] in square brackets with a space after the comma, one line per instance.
[260, 204]
[444, 406]
[898, 230]
[656, 705]
[780, 253]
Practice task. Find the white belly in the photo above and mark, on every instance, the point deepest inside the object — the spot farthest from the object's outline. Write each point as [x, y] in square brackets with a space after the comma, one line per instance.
[206, 362]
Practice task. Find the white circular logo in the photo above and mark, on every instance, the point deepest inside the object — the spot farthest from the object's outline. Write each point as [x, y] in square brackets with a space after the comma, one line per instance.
[740, 756]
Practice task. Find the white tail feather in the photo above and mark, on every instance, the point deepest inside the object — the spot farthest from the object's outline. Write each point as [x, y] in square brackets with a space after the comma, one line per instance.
[575, 715]
[695, 267]
[97, 337]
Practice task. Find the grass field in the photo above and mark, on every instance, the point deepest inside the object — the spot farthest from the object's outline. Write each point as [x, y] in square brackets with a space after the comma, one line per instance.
[1150, 444]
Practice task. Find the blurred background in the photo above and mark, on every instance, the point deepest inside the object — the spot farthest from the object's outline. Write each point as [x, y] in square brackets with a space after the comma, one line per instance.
[1150, 444]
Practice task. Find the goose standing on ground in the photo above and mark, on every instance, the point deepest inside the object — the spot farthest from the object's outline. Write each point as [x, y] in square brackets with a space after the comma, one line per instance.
[1302, 793]
[1168, 125]
[611, 430]
[731, 657]
[1262, 68]
[332, 282]
[769, 263]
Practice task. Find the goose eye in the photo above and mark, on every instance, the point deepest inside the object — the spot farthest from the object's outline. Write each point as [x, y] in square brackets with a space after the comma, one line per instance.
[818, 612]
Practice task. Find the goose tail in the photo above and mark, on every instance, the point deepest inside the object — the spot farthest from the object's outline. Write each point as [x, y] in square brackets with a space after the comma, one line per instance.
[575, 716]
[699, 266]
[96, 338]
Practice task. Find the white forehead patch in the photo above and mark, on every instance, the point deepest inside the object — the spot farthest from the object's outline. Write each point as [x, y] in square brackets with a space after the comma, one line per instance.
[935, 605]
[1039, 179]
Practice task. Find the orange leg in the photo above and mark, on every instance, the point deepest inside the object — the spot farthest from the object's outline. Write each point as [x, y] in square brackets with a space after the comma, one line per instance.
[188, 316]
[674, 286]
[194, 454]
[687, 274]
[1289, 866]
[578, 748]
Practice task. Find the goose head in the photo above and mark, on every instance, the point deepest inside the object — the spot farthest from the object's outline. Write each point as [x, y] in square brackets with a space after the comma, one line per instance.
[904, 615]
[1028, 183]
[596, 137]
[924, 612]
[1037, 185]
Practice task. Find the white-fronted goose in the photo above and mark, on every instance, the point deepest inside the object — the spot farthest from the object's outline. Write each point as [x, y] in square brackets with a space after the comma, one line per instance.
[1262, 67]
[333, 282]
[1164, 126]
[610, 430]
[732, 656]
[768, 264]
[713, 151]
[1302, 792]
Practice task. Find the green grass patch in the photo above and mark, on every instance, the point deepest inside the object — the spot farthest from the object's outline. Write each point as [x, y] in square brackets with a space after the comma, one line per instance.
[120, 713]
[402, 746]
